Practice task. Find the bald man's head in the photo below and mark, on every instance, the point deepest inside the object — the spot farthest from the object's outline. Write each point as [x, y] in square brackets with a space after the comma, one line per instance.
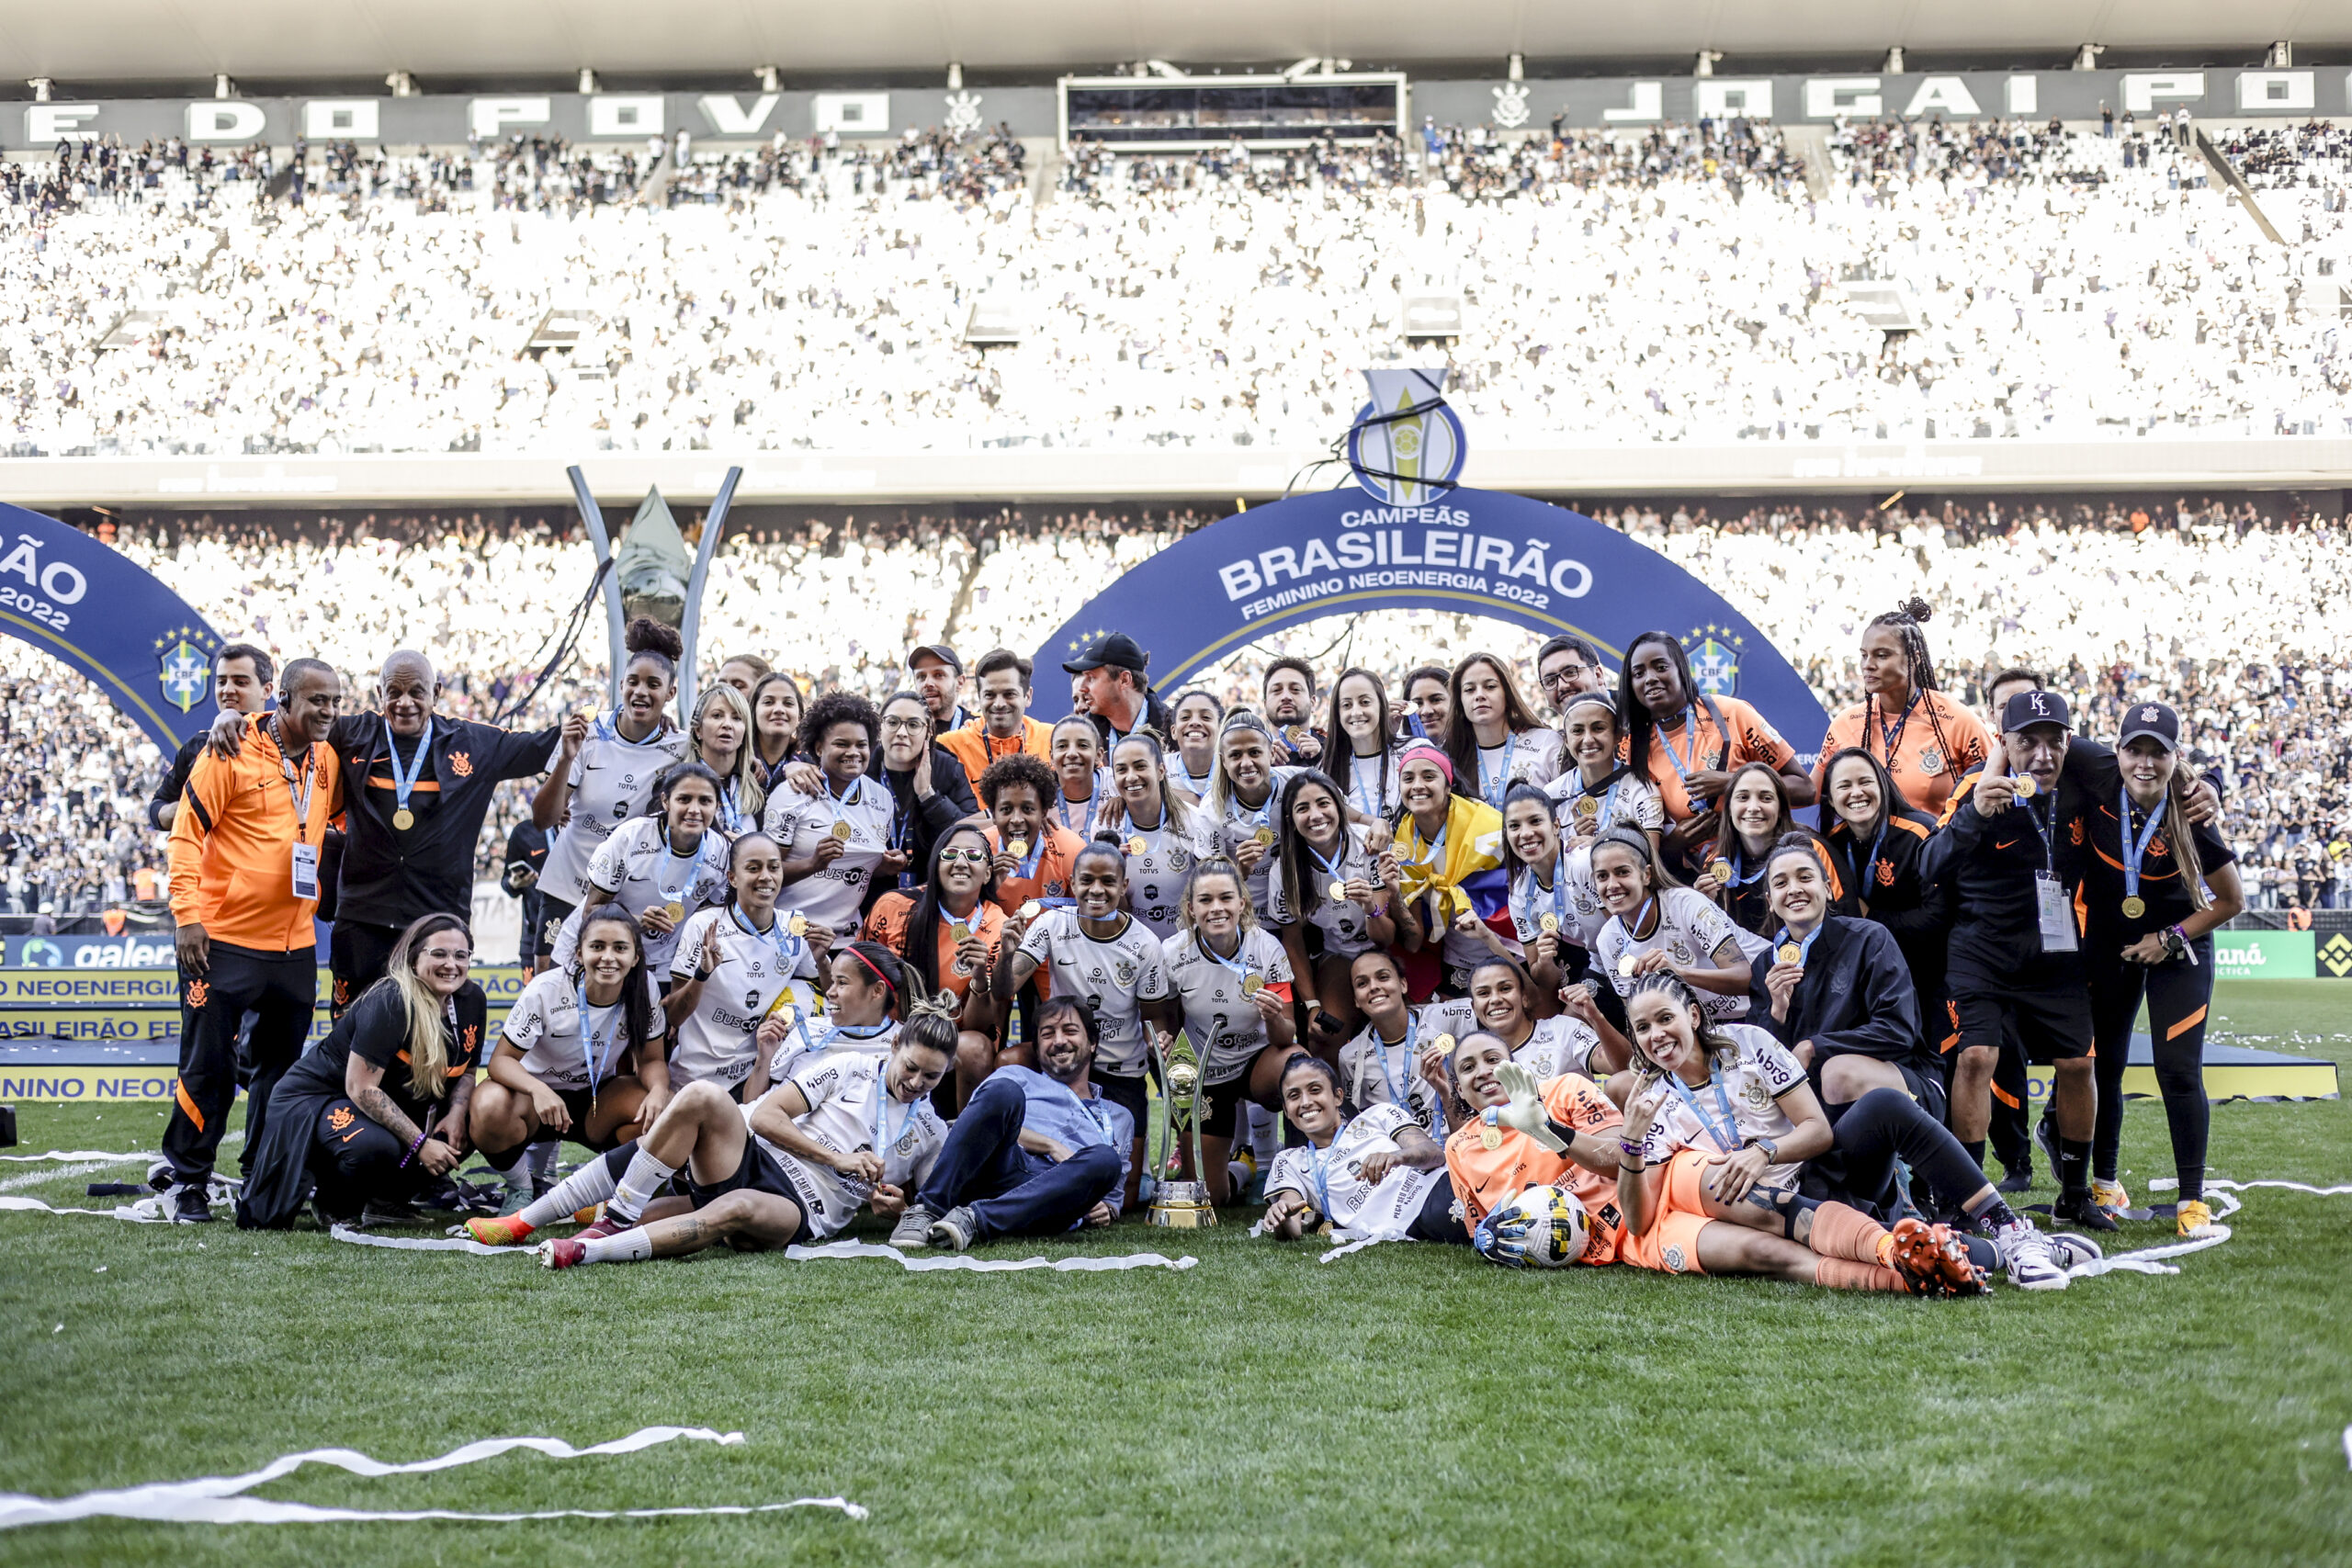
[407, 688]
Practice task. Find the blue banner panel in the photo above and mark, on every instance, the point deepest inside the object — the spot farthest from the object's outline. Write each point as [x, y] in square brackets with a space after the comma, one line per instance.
[1340, 552]
[80, 601]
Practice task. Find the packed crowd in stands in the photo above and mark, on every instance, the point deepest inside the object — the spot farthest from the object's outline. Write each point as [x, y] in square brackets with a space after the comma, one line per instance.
[2229, 608]
[811, 296]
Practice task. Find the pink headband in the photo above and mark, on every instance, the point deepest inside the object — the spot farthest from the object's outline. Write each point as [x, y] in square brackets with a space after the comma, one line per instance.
[1428, 752]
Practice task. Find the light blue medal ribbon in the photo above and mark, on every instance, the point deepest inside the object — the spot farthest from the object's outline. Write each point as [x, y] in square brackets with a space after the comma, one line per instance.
[883, 1146]
[2134, 848]
[834, 803]
[1027, 869]
[1684, 765]
[1739, 860]
[1399, 1086]
[590, 1056]
[1320, 1159]
[691, 864]
[1364, 802]
[1559, 891]
[1238, 964]
[1493, 793]
[730, 816]
[1336, 868]
[1062, 805]
[1726, 1133]
[404, 783]
[1805, 947]
[777, 937]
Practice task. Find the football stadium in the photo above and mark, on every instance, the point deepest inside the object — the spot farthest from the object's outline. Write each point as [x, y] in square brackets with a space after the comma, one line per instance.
[1151, 783]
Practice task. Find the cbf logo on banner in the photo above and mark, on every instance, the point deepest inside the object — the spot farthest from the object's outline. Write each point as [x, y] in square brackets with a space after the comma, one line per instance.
[1405, 536]
[72, 597]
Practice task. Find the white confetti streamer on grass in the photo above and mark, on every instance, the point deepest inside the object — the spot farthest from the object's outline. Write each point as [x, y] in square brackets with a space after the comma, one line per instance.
[217, 1499]
[831, 1251]
[80, 1154]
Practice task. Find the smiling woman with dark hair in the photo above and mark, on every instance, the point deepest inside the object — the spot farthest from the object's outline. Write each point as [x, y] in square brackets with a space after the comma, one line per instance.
[1687, 741]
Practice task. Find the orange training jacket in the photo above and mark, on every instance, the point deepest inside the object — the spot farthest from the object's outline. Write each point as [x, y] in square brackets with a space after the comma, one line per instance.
[232, 843]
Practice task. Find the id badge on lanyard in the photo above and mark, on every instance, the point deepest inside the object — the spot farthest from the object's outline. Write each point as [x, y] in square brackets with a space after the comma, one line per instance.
[306, 870]
[306, 855]
[2056, 915]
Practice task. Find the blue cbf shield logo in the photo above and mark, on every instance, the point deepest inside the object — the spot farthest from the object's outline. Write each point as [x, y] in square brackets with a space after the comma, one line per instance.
[182, 672]
[1714, 663]
[1407, 447]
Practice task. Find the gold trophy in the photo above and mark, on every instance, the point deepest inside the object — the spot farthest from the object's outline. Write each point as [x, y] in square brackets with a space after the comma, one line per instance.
[1183, 1205]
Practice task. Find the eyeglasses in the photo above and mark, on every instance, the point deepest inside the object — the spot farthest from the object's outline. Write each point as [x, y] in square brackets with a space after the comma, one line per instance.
[1561, 677]
[905, 726]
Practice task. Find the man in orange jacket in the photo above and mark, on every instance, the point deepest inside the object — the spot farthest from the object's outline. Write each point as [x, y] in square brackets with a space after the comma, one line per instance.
[1003, 727]
[244, 890]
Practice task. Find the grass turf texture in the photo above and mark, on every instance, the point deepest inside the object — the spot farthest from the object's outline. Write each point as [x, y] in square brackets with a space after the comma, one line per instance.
[1407, 1405]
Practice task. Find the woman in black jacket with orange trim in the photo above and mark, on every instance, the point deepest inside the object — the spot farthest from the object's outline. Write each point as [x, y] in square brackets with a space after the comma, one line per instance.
[1874, 859]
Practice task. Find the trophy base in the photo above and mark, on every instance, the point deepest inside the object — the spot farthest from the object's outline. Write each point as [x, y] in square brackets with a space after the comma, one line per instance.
[1181, 1205]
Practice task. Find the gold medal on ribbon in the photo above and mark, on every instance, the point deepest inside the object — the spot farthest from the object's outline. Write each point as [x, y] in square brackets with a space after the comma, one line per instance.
[1018, 849]
[1251, 984]
[1547, 922]
[1337, 892]
[842, 831]
[1625, 965]
[958, 931]
[1135, 845]
[1264, 835]
[2026, 787]
[1490, 1133]
[1588, 807]
[1720, 869]
[1032, 909]
[675, 910]
[2135, 907]
[797, 925]
[1790, 952]
[1443, 1044]
[403, 818]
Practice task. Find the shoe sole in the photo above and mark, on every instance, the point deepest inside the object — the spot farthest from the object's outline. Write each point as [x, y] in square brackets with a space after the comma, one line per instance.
[1935, 1260]
[2058, 1283]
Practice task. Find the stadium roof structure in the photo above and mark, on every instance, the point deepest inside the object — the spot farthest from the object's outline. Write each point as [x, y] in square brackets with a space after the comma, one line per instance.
[158, 41]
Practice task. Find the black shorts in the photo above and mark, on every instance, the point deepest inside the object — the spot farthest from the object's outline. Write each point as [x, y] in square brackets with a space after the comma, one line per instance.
[1440, 1217]
[1121, 1089]
[577, 1102]
[1926, 1088]
[2053, 1022]
[553, 912]
[758, 1171]
[1220, 1100]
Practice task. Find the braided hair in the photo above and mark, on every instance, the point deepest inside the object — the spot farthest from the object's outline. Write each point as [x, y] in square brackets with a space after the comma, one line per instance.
[1905, 621]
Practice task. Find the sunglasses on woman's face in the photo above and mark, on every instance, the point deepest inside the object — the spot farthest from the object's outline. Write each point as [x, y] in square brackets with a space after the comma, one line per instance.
[969, 857]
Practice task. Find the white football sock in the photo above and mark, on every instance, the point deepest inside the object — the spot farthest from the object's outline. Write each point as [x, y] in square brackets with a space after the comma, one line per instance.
[1265, 1137]
[637, 1189]
[631, 1245]
[541, 1160]
[592, 1183]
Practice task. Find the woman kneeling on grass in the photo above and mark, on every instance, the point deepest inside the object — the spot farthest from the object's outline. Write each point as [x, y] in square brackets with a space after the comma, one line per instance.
[843, 1129]
[1378, 1171]
[1718, 1128]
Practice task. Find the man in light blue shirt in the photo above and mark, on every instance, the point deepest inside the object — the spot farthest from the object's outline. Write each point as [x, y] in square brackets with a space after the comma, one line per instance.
[1033, 1153]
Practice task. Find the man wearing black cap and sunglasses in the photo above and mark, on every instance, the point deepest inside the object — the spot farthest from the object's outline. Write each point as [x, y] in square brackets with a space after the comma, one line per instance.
[1111, 678]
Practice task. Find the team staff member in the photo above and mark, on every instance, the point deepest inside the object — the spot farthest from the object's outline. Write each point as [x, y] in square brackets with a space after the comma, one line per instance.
[605, 769]
[937, 675]
[1686, 741]
[241, 677]
[2017, 955]
[1924, 739]
[2149, 935]
[526, 853]
[1287, 693]
[928, 792]
[1567, 667]
[2007, 1125]
[244, 861]
[1110, 673]
[1001, 687]
[379, 1109]
[1034, 1152]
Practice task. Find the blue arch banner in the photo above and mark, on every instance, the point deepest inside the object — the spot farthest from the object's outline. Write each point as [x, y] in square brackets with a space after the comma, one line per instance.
[1340, 552]
[79, 601]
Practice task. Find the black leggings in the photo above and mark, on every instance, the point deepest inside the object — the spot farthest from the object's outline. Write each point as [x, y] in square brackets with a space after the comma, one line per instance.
[2179, 996]
[1870, 1135]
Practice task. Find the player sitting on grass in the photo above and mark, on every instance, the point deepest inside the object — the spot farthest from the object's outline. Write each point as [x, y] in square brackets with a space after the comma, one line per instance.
[1378, 1172]
[1718, 1127]
[1562, 1133]
[842, 1129]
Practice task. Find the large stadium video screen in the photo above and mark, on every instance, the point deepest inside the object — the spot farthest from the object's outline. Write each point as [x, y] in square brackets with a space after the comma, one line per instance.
[1141, 112]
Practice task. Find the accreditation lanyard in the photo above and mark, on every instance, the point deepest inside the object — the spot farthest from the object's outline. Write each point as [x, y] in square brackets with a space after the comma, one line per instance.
[302, 798]
[596, 1054]
[404, 783]
[882, 1111]
[1400, 1083]
[2134, 847]
[1891, 734]
[1493, 793]
[1725, 1133]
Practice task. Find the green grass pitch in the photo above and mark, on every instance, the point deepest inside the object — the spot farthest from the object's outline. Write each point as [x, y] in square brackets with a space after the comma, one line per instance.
[1406, 1405]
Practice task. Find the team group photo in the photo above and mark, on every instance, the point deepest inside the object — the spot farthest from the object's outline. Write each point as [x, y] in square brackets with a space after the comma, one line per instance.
[1108, 786]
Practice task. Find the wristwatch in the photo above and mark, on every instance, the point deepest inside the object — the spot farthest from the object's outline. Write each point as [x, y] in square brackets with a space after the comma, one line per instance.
[2176, 942]
[1771, 1150]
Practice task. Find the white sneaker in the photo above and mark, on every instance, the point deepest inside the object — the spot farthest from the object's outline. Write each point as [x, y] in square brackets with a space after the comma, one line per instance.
[2072, 1251]
[2027, 1254]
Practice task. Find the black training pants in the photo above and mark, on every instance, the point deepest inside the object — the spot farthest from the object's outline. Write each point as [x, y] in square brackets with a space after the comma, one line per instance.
[2179, 995]
[281, 991]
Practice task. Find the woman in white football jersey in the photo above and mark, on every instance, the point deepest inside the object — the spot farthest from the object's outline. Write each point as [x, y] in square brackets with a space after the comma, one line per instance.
[1160, 832]
[1656, 925]
[661, 867]
[844, 1133]
[834, 838]
[1596, 790]
[1382, 1066]
[1554, 909]
[867, 991]
[1502, 998]
[743, 973]
[720, 738]
[1378, 1171]
[1495, 739]
[1194, 716]
[581, 1055]
[1231, 980]
[1242, 799]
[1075, 749]
[1366, 761]
[603, 771]
[1097, 952]
[1325, 880]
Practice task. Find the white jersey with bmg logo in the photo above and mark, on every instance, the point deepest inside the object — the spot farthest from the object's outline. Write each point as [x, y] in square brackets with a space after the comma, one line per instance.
[1219, 1019]
[544, 1026]
[1688, 929]
[1242, 823]
[611, 780]
[1158, 860]
[799, 823]
[849, 1108]
[1346, 926]
[1576, 899]
[1559, 1045]
[638, 866]
[1332, 1179]
[715, 1041]
[1751, 1089]
[813, 1037]
[1115, 975]
[1375, 1072]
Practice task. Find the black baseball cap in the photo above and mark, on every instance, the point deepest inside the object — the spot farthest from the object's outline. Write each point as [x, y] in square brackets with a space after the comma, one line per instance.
[2026, 709]
[2154, 721]
[938, 651]
[1117, 650]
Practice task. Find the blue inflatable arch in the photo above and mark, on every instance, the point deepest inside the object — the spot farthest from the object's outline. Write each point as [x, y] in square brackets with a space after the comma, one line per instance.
[79, 601]
[1340, 552]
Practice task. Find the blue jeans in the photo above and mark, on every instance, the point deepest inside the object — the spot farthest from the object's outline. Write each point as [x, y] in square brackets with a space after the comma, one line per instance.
[1010, 1191]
